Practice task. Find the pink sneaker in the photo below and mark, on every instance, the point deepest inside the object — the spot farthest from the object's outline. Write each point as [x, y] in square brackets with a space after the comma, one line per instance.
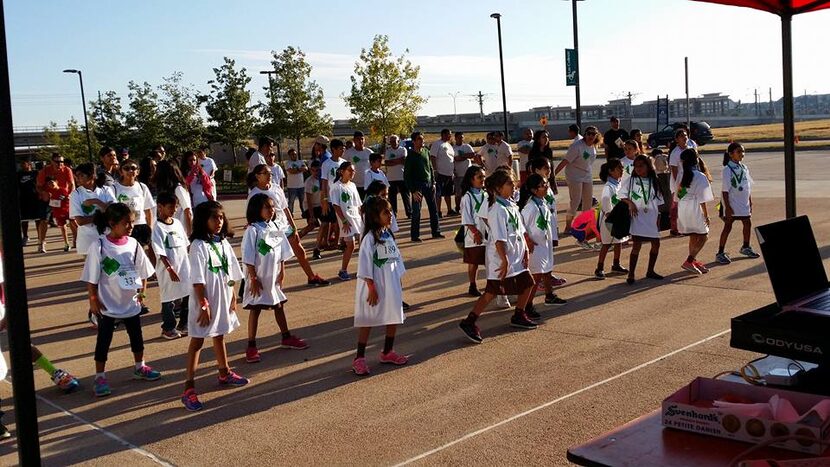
[294, 342]
[359, 367]
[701, 267]
[252, 355]
[687, 266]
[393, 358]
[557, 281]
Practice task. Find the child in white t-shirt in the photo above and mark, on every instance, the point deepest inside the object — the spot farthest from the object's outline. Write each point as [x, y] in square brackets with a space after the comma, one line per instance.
[264, 252]
[611, 173]
[214, 272]
[507, 256]
[170, 244]
[346, 201]
[378, 296]
[84, 202]
[642, 195]
[737, 201]
[373, 172]
[693, 192]
[473, 203]
[115, 272]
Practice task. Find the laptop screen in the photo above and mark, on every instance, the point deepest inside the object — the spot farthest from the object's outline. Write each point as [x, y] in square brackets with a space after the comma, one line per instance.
[792, 258]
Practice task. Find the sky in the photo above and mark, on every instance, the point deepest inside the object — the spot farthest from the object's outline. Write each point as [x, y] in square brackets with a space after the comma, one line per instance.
[634, 46]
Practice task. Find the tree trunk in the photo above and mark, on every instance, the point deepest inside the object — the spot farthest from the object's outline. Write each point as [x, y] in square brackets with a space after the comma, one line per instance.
[233, 150]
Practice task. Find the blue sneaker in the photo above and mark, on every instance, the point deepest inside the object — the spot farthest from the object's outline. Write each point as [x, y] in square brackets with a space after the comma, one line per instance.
[344, 276]
[191, 401]
[101, 387]
[146, 373]
[66, 382]
[233, 379]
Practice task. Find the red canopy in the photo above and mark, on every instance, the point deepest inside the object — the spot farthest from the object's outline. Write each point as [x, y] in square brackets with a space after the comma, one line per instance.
[778, 7]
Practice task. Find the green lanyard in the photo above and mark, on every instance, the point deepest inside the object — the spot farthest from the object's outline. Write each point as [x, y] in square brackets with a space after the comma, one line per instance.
[223, 258]
[542, 222]
[512, 219]
[477, 201]
[737, 180]
[646, 193]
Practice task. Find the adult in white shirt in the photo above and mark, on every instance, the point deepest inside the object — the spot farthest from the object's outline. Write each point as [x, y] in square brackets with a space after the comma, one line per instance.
[329, 175]
[395, 158]
[138, 198]
[295, 180]
[578, 165]
[442, 157]
[464, 155]
[265, 144]
[209, 166]
[359, 156]
[504, 155]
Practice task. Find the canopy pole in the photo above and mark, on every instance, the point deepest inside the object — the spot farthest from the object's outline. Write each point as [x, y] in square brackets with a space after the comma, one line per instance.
[17, 308]
[789, 124]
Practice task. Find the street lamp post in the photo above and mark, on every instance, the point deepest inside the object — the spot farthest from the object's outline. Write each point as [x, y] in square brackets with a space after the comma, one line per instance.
[83, 101]
[497, 16]
[271, 74]
[454, 95]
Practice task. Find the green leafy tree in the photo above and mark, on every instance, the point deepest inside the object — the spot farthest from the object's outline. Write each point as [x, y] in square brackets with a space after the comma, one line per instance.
[108, 120]
[143, 119]
[228, 106]
[182, 125]
[384, 96]
[295, 107]
[71, 144]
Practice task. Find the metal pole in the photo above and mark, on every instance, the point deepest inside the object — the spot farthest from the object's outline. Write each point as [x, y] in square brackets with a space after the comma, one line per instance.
[789, 125]
[576, 53]
[86, 120]
[501, 64]
[17, 308]
[688, 112]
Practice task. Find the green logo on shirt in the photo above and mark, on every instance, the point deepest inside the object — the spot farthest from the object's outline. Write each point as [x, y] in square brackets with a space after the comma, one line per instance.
[614, 200]
[513, 220]
[378, 262]
[542, 222]
[586, 155]
[122, 198]
[87, 209]
[315, 188]
[345, 197]
[262, 247]
[110, 265]
[682, 192]
[549, 198]
[355, 158]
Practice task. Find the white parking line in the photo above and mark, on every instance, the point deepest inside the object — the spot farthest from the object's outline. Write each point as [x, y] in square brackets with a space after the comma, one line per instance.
[132, 447]
[557, 400]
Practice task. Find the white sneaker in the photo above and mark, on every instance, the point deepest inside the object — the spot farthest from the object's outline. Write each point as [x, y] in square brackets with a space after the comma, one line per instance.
[42, 248]
[502, 301]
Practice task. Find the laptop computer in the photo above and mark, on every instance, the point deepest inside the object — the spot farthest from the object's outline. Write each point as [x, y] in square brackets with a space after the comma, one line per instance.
[794, 265]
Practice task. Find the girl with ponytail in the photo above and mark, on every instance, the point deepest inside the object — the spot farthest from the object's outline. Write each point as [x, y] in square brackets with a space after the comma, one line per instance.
[737, 201]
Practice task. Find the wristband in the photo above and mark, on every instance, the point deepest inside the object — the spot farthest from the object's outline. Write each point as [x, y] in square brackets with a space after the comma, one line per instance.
[140, 296]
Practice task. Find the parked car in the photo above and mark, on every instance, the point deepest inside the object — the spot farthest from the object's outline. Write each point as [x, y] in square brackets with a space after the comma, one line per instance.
[701, 133]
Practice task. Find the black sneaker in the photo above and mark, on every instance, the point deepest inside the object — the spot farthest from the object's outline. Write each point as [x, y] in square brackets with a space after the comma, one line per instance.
[531, 312]
[316, 254]
[144, 310]
[554, 299]
[417, 240]
[4, 432]
[471, 331]
[438, 235]
[318, 281]
[405, 305]
[473, 291]
[619, 268]
[655, 276]
[521, 321]
[599, 274]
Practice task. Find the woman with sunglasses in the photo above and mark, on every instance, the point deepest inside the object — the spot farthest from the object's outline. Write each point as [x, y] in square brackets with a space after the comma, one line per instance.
[578, 165]
[138, 198]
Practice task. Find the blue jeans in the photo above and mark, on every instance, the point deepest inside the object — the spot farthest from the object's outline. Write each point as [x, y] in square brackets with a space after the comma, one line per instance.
[298, 194]
[428, 192]
[168, 317]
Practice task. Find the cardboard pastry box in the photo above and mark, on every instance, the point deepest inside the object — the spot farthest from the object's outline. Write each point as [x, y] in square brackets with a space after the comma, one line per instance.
[691, 409]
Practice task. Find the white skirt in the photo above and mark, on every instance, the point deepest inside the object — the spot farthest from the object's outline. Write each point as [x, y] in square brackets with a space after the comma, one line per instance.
[605, 233]
[690, 219]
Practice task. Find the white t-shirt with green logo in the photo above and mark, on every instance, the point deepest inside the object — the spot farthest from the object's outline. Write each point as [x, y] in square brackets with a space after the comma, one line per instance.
[295, 180]
[395, 172]
[137, 197]
[360, 159]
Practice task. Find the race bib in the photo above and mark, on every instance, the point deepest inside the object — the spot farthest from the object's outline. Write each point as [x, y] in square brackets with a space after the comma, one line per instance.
[54, 203]
[353, 211]
[128, 278]
[388, 250]
[213, 258]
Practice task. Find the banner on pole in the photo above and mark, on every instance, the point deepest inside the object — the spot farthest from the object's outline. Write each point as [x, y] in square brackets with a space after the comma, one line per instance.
[662, 112]
[571, 68]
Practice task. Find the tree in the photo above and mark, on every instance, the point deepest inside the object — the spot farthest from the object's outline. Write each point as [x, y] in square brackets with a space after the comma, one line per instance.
[72, 145]
[384, 96]
[228, 108]
[183, 128]
[295, 106]
[143, 120]
[108, 120]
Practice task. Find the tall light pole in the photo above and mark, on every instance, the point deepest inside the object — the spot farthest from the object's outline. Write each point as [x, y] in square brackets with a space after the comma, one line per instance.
[17, 307]
[454, 95]
[271, 74]
[497, 16]
[83, 101]
[576, 54]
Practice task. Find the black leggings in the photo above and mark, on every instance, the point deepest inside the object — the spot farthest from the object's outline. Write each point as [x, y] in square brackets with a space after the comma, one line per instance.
[106, 327]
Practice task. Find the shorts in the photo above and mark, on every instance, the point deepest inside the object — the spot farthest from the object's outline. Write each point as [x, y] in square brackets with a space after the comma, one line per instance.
[329, 218]
[457, 185]
[278, 306]
[444, 185]
[142, 234]
[511, 285]
[42, 210]
[317, 212]
[639, 238]
[61, 216]
[475, 255]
